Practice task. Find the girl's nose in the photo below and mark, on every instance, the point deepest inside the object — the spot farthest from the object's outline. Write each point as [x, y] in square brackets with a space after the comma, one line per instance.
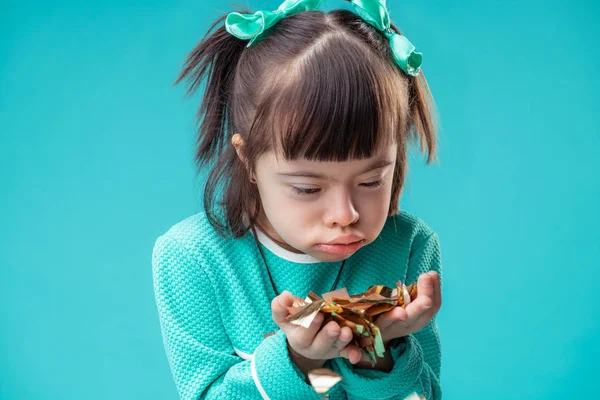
[341, 210]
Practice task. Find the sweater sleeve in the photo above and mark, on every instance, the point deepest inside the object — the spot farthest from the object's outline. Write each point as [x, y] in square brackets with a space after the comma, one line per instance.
[417, 359]
[201, 357]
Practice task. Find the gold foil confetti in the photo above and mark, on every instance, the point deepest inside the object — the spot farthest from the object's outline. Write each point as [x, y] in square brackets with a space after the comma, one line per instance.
[415, 396]
[359, 312]
[323, 379]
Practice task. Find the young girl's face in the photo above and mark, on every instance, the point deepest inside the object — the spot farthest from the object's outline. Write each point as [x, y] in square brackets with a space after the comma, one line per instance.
[306, 204]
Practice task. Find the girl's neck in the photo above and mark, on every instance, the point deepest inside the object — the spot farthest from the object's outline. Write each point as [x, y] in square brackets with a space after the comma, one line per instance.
[265, 226]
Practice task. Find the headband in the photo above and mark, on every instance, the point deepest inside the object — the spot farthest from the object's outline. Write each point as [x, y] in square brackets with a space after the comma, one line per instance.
[374, 12]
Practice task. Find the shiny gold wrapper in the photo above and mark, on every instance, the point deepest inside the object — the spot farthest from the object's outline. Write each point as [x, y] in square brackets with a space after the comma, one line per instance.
[323, 379]
[359, 312]
[415, 396]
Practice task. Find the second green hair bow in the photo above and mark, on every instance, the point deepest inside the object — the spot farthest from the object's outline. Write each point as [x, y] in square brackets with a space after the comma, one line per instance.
[374, 12]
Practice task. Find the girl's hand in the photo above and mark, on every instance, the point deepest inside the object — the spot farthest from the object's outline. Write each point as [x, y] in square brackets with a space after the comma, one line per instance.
[399, 322]
[313, 343]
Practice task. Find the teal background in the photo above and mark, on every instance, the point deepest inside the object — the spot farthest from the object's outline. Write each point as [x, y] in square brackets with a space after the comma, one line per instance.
[96, 162]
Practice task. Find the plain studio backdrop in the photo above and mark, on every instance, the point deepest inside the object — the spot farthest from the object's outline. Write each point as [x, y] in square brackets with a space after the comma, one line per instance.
[96, 162]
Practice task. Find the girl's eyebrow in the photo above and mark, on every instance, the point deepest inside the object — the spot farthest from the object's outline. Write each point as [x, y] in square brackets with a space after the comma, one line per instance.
[307, 174]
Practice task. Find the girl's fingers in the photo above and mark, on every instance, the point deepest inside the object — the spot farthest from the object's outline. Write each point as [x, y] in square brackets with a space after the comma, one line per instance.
[343, 338]
[425, 318]
[301, 338]
[298, 334]
[325, 339]
[428, 294]
[394, 315]
[417, 308]
[437, 297]
[424, 300]
[352, 353]
[279, 310]
[425, 288]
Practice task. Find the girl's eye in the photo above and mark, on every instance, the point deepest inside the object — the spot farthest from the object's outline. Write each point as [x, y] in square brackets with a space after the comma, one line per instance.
[309, 191]
[305, 191]
[373, 184]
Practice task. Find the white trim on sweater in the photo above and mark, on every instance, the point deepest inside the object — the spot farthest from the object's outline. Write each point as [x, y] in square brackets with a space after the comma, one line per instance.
[256, 380]
[243, 354]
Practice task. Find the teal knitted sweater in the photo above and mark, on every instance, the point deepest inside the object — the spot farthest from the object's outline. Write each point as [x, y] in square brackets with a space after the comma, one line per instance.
[213, 297]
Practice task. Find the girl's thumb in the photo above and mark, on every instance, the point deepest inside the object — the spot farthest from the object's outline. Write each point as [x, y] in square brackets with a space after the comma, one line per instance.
[281, 298]
[279, 307]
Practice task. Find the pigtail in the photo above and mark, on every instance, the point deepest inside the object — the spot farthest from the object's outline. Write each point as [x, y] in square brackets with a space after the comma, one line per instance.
[423, 118]
[422, 123]
[214, 58]
[421, 128]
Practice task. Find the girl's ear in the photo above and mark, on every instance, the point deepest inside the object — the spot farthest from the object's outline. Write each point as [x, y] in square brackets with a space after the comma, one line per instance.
[238, 142]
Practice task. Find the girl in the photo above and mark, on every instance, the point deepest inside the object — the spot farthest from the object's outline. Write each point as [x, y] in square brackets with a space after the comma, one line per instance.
[306, 120]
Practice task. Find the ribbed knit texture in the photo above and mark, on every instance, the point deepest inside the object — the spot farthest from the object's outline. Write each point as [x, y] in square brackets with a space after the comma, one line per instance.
[214, 296]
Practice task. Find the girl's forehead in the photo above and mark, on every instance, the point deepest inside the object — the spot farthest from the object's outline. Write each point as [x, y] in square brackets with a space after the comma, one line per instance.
[276, 162]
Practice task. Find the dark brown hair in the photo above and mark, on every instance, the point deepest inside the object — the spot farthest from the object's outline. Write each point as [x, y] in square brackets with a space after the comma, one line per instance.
[318, 85]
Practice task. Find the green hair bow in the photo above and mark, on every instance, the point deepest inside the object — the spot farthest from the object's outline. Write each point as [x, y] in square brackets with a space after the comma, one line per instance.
[374, 12]
[252, 26]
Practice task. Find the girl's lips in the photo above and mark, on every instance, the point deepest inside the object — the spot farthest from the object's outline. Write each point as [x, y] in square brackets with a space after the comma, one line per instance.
[340, 248]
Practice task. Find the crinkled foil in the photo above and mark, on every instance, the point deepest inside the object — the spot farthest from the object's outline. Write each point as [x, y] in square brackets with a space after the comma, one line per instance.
[323, 379]
[359, 312]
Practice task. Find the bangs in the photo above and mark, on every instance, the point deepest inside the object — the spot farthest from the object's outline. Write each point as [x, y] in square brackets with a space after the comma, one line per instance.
[340, 102]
